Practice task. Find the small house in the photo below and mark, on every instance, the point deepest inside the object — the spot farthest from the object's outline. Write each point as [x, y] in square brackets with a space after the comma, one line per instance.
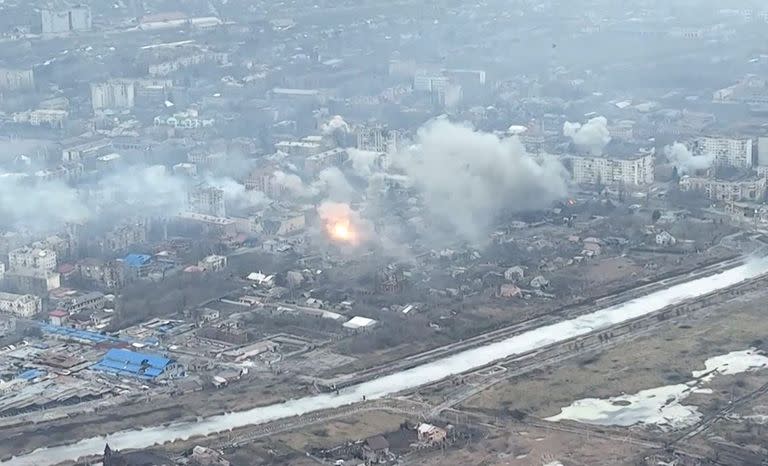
[376, 449]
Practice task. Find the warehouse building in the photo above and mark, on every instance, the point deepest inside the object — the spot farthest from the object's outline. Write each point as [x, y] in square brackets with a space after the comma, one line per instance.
[126, 363]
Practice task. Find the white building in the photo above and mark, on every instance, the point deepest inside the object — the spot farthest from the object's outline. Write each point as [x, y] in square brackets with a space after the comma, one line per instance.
[22, 305]
[752, 189]
[115, 94]
[32, 258]
[213, 263]
[16, 80]
[632, 171]
[52, 118]
[725, 151]
[61, 21]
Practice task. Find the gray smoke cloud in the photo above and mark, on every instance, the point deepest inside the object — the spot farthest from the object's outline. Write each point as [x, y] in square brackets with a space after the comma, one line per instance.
[467, 178]
[592, 135]
[686, 163]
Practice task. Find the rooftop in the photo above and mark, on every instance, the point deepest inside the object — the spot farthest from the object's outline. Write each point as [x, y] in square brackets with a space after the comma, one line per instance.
[125, 362]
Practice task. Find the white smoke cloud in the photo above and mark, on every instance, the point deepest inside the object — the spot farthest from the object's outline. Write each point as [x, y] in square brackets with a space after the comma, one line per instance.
[334, 186]
[150, 189]
[679, 155]
[336, 123]
[292, 183]
[363, 161]
[592, 136]
[30, 203]
[38, 205]
[467, 178]
[237, 197]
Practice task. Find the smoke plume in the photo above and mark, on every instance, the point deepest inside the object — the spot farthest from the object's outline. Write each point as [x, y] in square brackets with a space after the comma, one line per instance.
[467, 178]
[592, 136]
[342, 224]
[333, 185]
[363, 161]
[336, 123]
[685, 161]
[237, 197]
[27, 202]
[38, 205]
[291, 182]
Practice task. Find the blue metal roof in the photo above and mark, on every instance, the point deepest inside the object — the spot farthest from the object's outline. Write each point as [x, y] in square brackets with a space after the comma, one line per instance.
[81, 335]
[31, 374]
[131, 363]
[137, 260]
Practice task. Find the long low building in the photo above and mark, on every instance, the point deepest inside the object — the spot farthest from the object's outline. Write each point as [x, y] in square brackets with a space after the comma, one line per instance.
[747, 189]
[22, 305]
[123, 362]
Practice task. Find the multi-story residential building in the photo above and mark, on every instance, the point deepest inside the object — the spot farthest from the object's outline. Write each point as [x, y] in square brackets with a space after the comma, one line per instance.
[729, 152]
[314, 164]
[209, 200]
[115, 94]
[21, 305]
[32, 258]
[745, 189]
[33, 281]
[631, 171]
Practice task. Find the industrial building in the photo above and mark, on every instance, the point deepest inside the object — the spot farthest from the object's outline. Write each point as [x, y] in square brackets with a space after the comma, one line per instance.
[123, 362]
[636, 170]
[20, 305]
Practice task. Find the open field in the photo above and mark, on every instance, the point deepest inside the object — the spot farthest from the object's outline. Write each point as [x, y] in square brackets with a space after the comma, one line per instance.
[665, 357]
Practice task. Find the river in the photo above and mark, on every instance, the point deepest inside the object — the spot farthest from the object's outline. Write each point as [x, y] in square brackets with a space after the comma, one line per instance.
[408, 379]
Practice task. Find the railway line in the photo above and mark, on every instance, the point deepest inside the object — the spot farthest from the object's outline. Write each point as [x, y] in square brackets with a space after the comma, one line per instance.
[569, 311]
[499, 371]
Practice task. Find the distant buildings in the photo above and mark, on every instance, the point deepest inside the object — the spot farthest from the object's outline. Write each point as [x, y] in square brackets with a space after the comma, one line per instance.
[20, 305]
[115, 94]
[636, 170]
[16, 79]
[731, 152]
[65, 20]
